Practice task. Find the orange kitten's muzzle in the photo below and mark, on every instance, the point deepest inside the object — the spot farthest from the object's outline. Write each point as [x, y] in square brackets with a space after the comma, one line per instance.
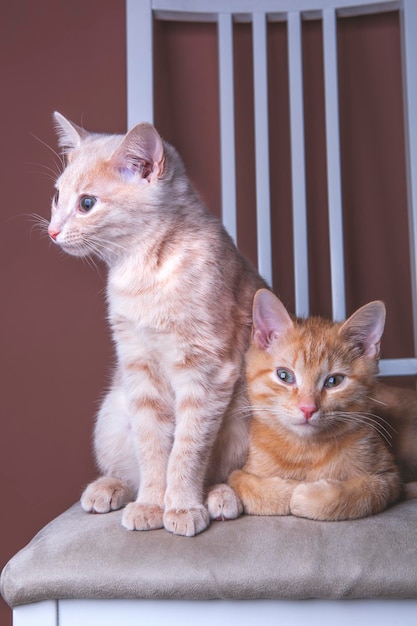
[308, 410]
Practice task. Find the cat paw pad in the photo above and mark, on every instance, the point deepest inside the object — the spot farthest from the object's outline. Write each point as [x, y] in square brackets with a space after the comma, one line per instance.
[223, 503]
[187, 522]
[137, 516]
[105, 494]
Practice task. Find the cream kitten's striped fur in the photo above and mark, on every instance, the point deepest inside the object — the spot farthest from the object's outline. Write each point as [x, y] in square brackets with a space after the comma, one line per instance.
[320, 445]
[174, 423]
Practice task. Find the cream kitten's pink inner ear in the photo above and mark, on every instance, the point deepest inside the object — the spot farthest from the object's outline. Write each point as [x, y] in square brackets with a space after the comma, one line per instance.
[366, 327]
[141, 152]
[270, 318]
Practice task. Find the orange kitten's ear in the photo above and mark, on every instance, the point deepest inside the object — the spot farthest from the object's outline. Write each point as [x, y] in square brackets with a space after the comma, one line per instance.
[365, 327]
[270, 319]
[69, 134]
[141, 152]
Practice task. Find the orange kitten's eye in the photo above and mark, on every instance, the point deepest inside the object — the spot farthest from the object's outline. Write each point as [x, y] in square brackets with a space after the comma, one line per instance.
[287, 376]
[334, 380]
[87, 203]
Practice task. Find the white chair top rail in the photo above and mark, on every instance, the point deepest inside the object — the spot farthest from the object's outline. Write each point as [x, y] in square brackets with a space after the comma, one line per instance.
[277, 10]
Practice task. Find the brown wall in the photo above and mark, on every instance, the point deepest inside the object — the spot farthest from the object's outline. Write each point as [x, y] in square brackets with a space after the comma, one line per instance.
[55, 349]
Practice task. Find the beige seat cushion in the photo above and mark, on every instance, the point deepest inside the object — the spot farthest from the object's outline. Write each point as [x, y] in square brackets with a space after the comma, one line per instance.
[79, 555]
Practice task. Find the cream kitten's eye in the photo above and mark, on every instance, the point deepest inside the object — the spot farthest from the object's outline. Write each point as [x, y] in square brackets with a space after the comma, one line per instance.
[87, 203]
[287, 376]
[56, 198]
[334, 380]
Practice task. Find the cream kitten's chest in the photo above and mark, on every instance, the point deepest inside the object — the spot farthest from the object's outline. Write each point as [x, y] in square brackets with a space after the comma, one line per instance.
[144, 298]
[148, 312]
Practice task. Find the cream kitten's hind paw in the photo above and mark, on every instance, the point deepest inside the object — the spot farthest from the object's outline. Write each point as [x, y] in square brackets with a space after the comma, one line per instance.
[105, 494]
[137, 516]
[223, 503]
[187, 522]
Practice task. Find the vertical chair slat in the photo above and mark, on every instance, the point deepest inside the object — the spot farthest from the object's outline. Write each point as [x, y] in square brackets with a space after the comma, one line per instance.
[409, 56]
[227, 124]
[299, 207]
[263, 201]
[139, 27]
[334, 189]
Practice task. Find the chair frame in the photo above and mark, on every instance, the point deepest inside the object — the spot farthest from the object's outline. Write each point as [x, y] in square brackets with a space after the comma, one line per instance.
[208, 612]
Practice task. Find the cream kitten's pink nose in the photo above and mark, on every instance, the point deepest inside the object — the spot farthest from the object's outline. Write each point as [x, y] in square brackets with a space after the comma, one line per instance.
[53, 232]
[308, 410]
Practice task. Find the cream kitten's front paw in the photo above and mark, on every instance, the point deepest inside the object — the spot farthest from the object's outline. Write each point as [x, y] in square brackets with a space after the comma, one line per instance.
[105, 494]
[187, 522]
[223, 503]
[137, 516]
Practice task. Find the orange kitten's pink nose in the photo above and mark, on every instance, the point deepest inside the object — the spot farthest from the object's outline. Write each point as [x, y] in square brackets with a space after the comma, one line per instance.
[53, 233]
[308, 410]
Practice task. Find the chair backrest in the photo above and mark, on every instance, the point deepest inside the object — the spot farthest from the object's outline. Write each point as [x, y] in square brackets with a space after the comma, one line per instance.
[140, 17]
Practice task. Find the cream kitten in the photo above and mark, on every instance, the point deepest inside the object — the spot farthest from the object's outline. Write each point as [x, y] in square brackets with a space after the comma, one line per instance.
[173, 424]
[320, 436]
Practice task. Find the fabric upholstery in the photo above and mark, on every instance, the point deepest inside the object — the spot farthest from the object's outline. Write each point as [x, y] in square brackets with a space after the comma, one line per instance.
[79, 555]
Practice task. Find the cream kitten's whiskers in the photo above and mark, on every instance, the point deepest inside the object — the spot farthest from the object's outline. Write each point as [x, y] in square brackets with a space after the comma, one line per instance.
[42, 170]
[59, 161]
[39, 224]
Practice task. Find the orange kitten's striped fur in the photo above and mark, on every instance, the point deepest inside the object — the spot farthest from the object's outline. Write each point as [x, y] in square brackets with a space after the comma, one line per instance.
[180, 304]
[317, 448]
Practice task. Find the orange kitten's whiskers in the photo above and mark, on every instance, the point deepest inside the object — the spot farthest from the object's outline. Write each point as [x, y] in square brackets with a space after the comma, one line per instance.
[271, 410]
[367, 419]
[378, 401]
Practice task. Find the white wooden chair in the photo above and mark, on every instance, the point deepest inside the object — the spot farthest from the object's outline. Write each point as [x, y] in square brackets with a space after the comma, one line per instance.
[140, 17]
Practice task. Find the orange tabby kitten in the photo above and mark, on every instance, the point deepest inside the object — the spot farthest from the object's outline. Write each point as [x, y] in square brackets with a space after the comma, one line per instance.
[316, 448]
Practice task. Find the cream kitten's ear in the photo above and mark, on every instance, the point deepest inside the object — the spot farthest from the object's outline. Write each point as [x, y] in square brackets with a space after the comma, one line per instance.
[141, 152]
[365, 327]
[69, 134]
[270, 318]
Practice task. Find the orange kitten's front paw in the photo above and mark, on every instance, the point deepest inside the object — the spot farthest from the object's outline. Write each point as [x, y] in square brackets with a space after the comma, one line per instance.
[187, 522]
[223, 503]
[137, 516]
[105, 494]
[318, 500]
[262, 495]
